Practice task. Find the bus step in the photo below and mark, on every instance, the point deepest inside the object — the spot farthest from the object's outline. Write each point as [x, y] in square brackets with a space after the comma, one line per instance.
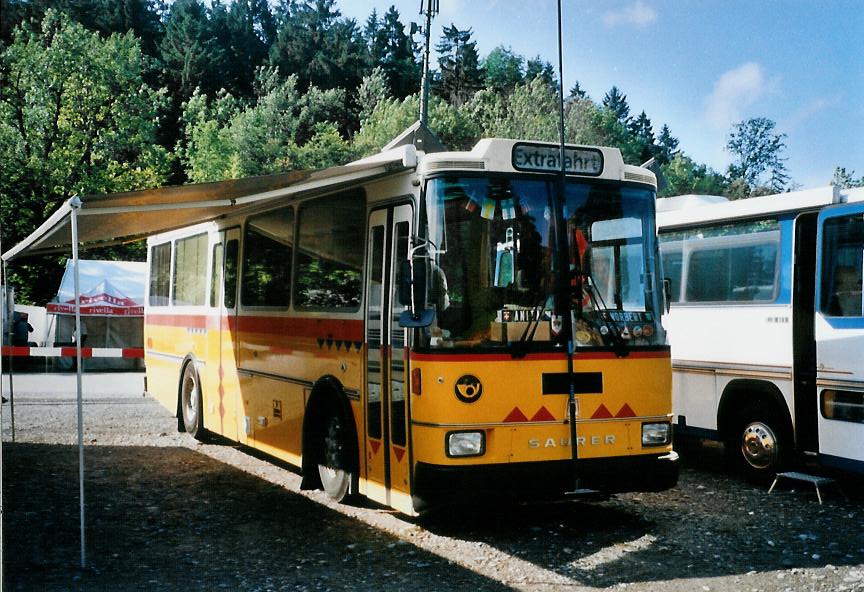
[815, 480]
[586, 493]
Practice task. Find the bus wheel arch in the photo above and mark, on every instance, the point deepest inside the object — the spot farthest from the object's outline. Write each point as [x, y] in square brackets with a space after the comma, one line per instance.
[330, 451]
[190, 400]
[756, 426]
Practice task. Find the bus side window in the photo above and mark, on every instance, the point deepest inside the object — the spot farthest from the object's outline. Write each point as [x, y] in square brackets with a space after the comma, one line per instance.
[216, 274]
[843, 267]
[160, 274]
[230, 278]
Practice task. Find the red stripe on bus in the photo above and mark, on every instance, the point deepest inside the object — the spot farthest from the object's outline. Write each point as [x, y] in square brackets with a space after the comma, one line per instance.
[133, 352]
[545, 356]
[344, 329]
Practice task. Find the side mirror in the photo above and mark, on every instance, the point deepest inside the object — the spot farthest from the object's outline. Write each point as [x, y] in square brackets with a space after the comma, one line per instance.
[412, 293]
[667, 293]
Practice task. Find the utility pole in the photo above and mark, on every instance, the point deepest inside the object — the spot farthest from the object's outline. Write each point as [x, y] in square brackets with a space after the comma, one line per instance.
[428, 8]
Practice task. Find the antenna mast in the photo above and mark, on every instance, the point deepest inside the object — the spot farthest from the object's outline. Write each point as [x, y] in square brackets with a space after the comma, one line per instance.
[428, 8]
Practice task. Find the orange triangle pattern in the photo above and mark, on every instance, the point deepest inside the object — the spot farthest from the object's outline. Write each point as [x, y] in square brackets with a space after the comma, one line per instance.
[515, 416]
[398, 453]
[542, 415]
[602, 413]
[375, 445]
[626, 411]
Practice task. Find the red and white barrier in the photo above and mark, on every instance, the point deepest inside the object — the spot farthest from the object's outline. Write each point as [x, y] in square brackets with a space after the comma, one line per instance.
[69, 352]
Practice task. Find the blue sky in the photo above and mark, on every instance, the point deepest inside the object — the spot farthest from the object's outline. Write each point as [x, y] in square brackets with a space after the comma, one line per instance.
[696, 65]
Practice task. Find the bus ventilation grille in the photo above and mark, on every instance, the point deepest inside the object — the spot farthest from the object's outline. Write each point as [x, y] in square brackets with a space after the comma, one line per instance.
[476, 165]
[628, 176]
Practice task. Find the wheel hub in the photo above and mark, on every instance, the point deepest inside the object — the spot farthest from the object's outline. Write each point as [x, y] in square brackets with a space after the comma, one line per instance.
[759, 445]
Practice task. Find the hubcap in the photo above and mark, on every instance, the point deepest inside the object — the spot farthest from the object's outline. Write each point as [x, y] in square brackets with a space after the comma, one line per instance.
[333, 445]
[191, 392]
[759, 445]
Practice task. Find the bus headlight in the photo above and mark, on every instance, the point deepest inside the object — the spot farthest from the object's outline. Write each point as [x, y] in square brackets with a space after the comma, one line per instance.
[466, 444]
[656, 434]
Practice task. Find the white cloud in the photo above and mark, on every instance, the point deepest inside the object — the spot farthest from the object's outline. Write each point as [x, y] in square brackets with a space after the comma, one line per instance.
[639, 13]
[734, 91]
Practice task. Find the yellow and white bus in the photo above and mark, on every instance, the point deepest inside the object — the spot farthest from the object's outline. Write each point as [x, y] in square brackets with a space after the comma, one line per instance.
[391, 328]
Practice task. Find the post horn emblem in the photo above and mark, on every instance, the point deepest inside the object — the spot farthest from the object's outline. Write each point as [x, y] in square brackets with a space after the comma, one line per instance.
[468, 388]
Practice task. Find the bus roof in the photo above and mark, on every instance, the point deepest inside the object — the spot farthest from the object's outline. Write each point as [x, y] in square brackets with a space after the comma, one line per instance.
[507, 155]
[685, 210]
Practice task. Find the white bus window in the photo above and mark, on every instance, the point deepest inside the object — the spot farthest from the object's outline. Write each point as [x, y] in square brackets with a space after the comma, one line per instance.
[724, 263]
[733, 274]
[267, 250]
[190, 271]
[160, 274]
[843, 266]
[329, 252]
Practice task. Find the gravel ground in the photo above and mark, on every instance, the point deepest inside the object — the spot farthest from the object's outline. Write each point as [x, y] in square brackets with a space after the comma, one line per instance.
[165, 512]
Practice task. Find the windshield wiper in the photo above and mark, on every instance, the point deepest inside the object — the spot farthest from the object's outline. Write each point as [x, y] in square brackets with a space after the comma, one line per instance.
[538, 310]
[618, 342]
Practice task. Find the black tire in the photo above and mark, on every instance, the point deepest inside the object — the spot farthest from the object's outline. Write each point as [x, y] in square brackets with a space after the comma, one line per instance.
[760, 444]
[335, 460]
[191, 402]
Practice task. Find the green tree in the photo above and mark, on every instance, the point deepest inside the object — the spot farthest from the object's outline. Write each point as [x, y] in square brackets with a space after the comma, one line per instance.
[224, 138]
[530, 113]
[245, 30]
[643, 133]
[373, 89]
[577, 92]
[846, 180]
[667, 145]
[684, 176]
[537, 67]
[317, 45]
[616, 102]
[191, 52]
[460, 72]
[398, 58]
[758, 151]
[76, 117]
[503, 69]
[392, 116]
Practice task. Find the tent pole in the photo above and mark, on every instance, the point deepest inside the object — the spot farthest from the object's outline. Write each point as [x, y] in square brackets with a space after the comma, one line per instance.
[75, 203]
[3, 282]
[9, 304]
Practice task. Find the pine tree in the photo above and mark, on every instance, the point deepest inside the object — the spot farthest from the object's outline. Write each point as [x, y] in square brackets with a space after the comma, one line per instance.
[643, 133]
[667, 146]
[460, 72]
[759, 151]
[503, 69]
[616, 102]
[399, 60]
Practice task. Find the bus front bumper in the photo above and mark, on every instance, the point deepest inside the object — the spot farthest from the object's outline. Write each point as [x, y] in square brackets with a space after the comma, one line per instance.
[443, 484]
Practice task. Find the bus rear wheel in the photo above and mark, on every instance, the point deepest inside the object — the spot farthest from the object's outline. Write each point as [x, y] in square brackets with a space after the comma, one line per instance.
[191, 402]
[333, 467]
[761, 445]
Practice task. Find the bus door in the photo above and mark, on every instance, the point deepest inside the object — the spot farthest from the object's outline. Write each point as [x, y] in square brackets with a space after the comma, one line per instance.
[387, 467]
[226, 394]
[803, 340]
[840, 336]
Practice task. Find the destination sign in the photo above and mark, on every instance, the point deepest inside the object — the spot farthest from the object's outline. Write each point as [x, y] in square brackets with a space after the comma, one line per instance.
[581, 161]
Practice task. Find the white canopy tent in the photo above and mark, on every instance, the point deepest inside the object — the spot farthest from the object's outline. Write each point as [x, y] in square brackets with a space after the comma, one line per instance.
[103, 220]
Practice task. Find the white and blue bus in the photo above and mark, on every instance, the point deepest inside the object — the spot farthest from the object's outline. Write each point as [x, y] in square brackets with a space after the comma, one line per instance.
[766, 323]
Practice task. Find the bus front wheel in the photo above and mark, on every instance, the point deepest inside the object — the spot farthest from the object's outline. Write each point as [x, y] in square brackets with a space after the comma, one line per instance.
[333, 467]
[190, 402]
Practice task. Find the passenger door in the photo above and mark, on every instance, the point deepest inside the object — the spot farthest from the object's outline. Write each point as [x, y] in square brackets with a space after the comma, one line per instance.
[840, 335]
[386, 437]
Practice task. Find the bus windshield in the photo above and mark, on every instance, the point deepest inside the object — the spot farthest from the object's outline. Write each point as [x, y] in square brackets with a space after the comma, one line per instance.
[491, 253]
